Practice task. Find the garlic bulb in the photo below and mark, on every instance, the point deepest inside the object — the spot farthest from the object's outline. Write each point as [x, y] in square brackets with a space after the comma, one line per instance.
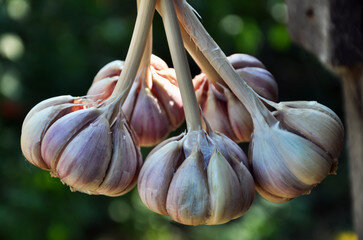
[297, 152]
[225, 113]
[90, 148]
[153, 106]
[197, 178]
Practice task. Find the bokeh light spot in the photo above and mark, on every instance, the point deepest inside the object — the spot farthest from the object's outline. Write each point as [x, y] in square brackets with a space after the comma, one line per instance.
[232, 24]
[250, 39]
[279, 38]
[11, 46]
[10, 85]
[18, 9]
[279, 12]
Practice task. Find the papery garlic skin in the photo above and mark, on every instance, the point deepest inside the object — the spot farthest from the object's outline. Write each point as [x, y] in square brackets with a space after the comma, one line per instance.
[225, 113]
[153, 106]
[197, 178]
[90, 148]
[315, 122]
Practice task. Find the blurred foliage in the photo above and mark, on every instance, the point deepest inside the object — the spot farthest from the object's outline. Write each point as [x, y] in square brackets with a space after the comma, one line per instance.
[50, 48]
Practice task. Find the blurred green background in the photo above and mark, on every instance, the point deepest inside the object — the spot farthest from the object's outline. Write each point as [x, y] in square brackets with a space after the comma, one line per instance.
[50, 48]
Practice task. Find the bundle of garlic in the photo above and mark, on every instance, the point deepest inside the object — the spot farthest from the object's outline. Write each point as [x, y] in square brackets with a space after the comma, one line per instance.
[90, 145]
[153, 106]
[290, 152]
[201, 176]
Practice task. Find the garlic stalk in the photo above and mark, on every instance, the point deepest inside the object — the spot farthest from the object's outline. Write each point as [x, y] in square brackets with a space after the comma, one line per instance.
[137, 46]
[181, 65]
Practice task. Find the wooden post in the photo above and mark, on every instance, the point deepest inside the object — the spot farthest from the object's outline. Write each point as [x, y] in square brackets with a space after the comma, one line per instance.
[333, 31]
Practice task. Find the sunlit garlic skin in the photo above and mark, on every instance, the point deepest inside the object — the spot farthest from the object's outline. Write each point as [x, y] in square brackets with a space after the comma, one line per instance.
[153, 106]
[225, 113]
[197, 178]
[314, 122]
[37, 122]
[292, 156]
[90, 148]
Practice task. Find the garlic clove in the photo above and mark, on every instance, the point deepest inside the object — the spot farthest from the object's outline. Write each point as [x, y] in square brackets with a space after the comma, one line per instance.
[188, 199]
[85, 159]
[239, 163]
[215, 110]
[224, 189]
[110, 70]
[149, 120]
[200, 83]
[156, 175]
[246, 184]
[139, 158]
[239, 118]
[125, 162]
[61, 132]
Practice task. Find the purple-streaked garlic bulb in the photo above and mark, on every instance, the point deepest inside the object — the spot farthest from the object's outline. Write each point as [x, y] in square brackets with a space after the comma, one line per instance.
[153, 106]
[197, 178]
[289, 158]
[225, 113]
[91, 148]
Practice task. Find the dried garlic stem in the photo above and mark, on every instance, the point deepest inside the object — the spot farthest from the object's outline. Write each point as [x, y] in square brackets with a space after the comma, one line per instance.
[212, 52]
[181, 66]
[199, 58]
[136, 49]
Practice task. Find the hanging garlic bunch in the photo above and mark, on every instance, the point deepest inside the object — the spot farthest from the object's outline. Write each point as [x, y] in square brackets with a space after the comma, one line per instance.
[153, 106]
[198, 177]
[290, 152]
[225, 112]
[90, 145]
